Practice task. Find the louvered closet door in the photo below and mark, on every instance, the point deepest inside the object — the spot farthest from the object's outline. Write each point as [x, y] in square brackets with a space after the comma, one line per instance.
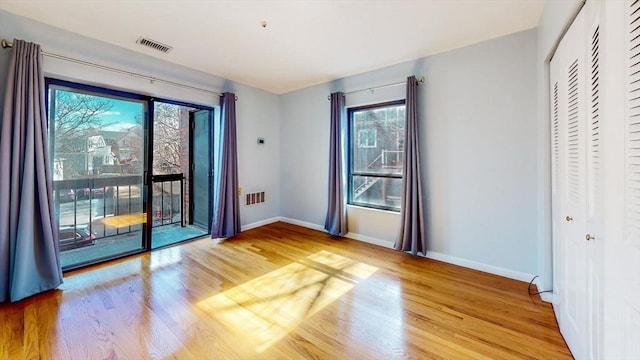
[556, 182]
[594, 226]
[569, 72]
[628, 253]
[558, 114]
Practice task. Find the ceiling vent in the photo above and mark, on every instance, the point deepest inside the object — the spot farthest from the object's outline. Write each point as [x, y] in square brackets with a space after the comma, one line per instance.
[154, 44]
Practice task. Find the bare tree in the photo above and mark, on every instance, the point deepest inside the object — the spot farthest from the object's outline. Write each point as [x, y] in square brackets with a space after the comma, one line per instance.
[167, 138]
[75, 117]
[390, 128]
[75, 113]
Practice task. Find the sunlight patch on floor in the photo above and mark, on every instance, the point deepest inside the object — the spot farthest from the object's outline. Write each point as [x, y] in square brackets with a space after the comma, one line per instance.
[165, 257]
[267, 308]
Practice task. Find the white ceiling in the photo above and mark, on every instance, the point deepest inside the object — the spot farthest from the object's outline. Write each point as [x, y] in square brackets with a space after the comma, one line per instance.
[304, 43]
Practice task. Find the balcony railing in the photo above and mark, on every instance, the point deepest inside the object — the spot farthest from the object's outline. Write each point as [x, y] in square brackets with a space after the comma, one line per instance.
[111, 206]
[392, 159]
[168, 199]
[388, 159]
[88, 202]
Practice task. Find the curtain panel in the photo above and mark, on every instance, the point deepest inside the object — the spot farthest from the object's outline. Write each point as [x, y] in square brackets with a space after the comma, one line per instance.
[336, 219]
[226, 205]
[412, 237]
[29, 255]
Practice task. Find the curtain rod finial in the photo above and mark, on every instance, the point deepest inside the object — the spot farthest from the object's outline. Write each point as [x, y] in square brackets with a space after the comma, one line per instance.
[420, 79]
[5, 44]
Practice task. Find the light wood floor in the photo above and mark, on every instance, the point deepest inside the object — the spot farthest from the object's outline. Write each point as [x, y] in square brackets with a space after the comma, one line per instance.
[281, 292]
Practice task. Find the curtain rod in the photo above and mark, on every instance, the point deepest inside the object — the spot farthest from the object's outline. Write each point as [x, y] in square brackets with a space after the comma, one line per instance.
[419, 80]
[6, 44]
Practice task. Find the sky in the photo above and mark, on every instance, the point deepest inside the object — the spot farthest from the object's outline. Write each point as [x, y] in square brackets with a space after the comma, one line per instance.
[123, 115]
[119, 116]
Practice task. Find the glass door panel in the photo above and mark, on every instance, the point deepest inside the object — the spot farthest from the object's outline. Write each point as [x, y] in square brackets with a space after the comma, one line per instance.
[171, 176]
[201, 168]
[97, 141]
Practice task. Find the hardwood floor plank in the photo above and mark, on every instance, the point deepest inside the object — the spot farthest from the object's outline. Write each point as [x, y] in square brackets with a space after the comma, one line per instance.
[12, 346]
[30, 345]
[281, 292]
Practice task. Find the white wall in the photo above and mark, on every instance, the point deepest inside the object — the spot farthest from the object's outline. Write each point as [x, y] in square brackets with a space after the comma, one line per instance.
[556, 17]
[479, 150]
[257, 110]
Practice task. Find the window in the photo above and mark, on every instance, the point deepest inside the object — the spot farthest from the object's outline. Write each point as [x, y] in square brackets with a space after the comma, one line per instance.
[367, 138]
[376, 144]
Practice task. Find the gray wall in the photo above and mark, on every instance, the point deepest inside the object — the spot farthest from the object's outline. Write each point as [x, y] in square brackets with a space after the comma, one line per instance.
[478, 128]
[258, 111]
[484, 128]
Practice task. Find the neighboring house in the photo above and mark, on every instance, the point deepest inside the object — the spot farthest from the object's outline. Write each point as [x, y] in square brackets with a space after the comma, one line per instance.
[83, 154]
[126, 150]
[94, 151]
[378, 148]
[98, 154]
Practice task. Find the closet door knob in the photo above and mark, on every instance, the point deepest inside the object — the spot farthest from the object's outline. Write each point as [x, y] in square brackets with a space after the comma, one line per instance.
[569, 218]
[590, 237]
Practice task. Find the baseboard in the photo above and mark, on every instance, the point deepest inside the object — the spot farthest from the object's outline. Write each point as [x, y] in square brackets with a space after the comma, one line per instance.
[491, 269]
[302, 223]
[350, 235]
[260, 223]
[370, 240]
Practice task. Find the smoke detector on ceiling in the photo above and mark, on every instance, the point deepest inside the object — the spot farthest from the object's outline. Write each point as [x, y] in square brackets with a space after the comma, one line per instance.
[154, 44]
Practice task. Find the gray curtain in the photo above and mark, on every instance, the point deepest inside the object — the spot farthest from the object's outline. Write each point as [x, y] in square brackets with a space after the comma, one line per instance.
[29, 257]
[412, 236]
[226, 206]
[336, 220]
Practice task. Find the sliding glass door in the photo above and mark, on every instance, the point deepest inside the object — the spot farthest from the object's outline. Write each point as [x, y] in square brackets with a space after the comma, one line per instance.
[131, 173]
[98, 145]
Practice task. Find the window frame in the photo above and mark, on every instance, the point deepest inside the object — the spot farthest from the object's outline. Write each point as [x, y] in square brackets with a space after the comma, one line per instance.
[351, 137]
[148, 124]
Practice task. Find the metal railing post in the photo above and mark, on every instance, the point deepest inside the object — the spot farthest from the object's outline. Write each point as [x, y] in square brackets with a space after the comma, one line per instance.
[182, 201]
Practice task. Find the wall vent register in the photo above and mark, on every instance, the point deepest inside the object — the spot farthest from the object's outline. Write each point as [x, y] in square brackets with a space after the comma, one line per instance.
[254, 198]
[156, 45]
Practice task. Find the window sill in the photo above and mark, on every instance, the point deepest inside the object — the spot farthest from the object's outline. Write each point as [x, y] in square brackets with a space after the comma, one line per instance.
[373, 209]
